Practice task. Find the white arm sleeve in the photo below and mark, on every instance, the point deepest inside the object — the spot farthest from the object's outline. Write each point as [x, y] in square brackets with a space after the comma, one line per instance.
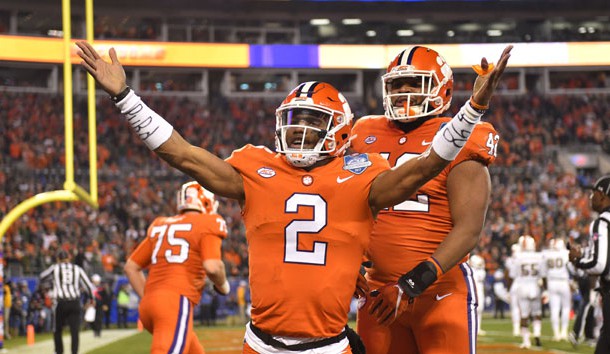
[150, 127]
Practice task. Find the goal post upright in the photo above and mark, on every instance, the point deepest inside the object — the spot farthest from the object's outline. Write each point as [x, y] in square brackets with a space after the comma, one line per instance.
[72, 192]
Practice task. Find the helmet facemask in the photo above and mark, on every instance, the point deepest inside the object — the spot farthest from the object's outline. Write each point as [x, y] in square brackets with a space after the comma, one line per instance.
[409, 106]
[306, 133]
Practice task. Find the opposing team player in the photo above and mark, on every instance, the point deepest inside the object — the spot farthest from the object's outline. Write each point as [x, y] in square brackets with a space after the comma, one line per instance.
[513, 289]
[308, 208]
[477, 263]
[528, 269]
[179, 252]
[558, 286]
[429, 236]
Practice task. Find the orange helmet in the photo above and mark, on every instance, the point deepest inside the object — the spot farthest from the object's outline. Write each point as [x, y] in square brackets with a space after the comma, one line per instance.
[435, 79]
[324, 102]
[192, 196]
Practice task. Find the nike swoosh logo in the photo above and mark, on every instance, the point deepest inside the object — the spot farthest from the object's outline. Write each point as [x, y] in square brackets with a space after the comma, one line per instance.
[439, 298]
[341, 180]
[425, 143]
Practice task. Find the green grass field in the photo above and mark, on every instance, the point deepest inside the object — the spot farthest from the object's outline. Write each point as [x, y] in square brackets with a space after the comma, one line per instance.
[228, 339]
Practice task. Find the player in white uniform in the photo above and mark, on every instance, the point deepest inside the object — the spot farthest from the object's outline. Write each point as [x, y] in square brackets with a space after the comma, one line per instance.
[558, 286]
[527, 269]
[513, 286]
[477, 263]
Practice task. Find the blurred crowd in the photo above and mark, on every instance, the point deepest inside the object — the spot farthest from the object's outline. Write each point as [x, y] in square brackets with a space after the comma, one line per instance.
[531, 193]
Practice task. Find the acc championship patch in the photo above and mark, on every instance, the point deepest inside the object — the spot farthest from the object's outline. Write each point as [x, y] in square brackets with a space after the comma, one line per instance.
[356, 163]
[265, 172]
[370, 139]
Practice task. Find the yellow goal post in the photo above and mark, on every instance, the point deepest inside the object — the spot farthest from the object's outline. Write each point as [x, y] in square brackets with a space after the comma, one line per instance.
[72, 191]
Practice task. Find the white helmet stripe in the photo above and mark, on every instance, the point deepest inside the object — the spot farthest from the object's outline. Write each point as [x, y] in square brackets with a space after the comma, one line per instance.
[307, 89]
[407, 56]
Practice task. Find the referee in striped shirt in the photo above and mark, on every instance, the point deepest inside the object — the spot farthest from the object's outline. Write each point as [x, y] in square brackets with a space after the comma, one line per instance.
[66, 278]
[595, 258]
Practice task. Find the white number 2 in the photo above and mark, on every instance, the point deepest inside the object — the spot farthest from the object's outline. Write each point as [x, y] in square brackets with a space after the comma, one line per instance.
[160, 232]
[292, 254]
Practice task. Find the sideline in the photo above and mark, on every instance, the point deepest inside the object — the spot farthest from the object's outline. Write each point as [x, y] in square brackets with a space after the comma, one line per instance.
[87, 342]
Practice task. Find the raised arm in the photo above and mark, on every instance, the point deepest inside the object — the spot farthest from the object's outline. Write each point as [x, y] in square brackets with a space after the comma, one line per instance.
[211, 172]
[399, 183]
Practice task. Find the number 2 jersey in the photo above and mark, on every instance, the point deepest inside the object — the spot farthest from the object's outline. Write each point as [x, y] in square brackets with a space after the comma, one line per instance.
[410, 232]
[307, 232]
[174, 250]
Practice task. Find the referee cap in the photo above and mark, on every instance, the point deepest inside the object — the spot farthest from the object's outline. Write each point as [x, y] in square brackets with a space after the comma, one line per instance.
[602, 185]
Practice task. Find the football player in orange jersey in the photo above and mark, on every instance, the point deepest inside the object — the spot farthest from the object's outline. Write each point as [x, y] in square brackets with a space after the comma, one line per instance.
[431, 308]
[308, 208]
[179, 252]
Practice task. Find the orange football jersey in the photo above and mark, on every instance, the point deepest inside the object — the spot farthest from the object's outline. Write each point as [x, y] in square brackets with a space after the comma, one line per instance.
[307, 232]
[412, 230]
[174, 250]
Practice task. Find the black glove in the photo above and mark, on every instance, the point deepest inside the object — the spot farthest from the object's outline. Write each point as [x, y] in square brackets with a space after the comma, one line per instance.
[418, 279]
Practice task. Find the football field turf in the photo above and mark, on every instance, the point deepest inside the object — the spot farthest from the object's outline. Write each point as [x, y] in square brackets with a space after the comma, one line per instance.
[228, 340]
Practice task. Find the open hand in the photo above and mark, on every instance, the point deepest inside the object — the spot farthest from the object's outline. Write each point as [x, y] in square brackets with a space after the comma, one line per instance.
[110, 76]
[489, 77]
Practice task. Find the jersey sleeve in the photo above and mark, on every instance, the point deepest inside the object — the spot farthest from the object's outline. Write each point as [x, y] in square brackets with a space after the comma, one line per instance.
[211, 247]
[143, 253]
[242, 158]
[481, 146]
[211, 242]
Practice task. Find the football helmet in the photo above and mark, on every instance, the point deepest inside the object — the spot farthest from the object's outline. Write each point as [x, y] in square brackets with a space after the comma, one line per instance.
[192, 196]
[515, 248]
[313, 123]
[430, 72]
[527, 243]
[557, 244]
[476, 261]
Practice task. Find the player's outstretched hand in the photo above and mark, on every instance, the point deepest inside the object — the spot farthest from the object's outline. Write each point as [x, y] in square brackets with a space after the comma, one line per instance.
[110, 76]
[489, 77]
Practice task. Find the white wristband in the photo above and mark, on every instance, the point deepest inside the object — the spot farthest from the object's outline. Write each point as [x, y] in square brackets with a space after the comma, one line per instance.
[448, 141]
[150, 127]
[225, 288]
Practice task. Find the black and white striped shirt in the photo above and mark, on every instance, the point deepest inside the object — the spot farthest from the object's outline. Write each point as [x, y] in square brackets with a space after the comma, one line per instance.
[596, 256]
[66, 278]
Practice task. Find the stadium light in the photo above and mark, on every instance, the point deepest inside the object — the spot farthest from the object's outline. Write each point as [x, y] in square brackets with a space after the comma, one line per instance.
[351, 21]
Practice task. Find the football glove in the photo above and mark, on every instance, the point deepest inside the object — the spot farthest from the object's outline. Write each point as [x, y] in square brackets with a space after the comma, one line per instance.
[418, 279]
[387, 303]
